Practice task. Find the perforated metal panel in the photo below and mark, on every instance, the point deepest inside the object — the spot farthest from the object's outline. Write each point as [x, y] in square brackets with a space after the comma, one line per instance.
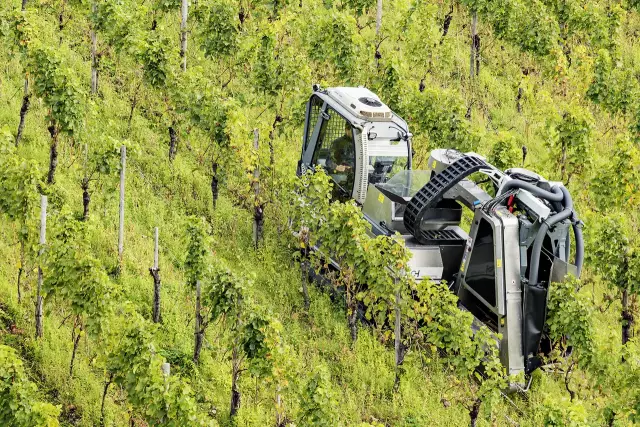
[335, 148]
[360, 188]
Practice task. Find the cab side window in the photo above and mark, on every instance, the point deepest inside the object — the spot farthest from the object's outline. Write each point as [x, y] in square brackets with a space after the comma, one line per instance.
[336, 153]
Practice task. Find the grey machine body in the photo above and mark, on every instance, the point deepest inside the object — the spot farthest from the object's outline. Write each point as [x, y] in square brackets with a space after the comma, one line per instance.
[518, 240]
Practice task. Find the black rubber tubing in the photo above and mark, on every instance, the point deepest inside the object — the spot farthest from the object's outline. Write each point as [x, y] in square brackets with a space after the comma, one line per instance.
[577, 231]
[555, 195]
[537, 244]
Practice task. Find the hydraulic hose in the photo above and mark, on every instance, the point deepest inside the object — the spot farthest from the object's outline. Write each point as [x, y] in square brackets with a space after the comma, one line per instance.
[535, 294]
[559, 196]
[555, 195]
[577, 231]
[537, 244]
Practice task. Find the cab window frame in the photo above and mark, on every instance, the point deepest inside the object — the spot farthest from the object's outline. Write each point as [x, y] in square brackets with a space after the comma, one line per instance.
[340, 191]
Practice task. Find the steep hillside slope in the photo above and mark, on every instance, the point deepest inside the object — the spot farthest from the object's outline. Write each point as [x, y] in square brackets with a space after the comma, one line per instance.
[559, 77]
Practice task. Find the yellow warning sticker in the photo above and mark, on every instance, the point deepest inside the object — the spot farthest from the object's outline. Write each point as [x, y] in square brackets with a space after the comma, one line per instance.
[499, 263]
[381, 198]
[433, 165]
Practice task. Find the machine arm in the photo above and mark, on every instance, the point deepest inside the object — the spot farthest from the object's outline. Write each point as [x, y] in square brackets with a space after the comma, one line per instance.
[434, 190]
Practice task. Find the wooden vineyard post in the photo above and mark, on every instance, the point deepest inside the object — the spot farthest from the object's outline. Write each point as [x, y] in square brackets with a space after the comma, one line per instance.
[123, 159]
[25, 100]
[235, 371]
[258, 213]
[94, 55]
[166, 372]
[474, 62]
[155, 273]
[43, 240]
[398, 340]
[378, 17]
[24, 109]
[183, 33]
[214, 183]
[378, 30]
[305, 267]
[473, 56]
[198, 326]
[105, 389]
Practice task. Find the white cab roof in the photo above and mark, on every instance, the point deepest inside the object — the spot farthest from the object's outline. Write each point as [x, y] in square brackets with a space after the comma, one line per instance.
[362, 103]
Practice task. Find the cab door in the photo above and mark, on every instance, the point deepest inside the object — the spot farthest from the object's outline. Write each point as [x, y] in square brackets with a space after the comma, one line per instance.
[329, 142]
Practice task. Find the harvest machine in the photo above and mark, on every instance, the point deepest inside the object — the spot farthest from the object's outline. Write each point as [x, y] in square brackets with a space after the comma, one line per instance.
[518, 241]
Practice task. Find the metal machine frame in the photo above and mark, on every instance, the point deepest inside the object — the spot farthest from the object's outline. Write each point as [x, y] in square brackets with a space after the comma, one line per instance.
[530, 220]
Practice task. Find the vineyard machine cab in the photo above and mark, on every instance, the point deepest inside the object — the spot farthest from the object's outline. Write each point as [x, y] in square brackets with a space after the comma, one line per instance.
[519, 239]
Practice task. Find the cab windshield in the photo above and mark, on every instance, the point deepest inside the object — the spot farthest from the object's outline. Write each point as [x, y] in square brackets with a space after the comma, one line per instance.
[381, 168]
[406, 183]
[388, 155]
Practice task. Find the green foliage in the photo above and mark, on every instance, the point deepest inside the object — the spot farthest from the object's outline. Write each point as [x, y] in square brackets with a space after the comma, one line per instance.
[119, 23]
[19, 184]
[255, 63]
[203, 105]
[268, 68]
[195, 261]
[441, 116]
[104, 158]
[276, 68]
[387, 274]
[588, 22]
[614, 88]
[135, 366]
[18, 29]
[445, 327]
[311, 197]
[19, 405]
[570, 140]
[618, 184]
[252, 329]
[615, 254]
[389, 86]
[75, 276]
[224, 294]
[360, 7]
[341, 234]
[219, 30]
[564, 413]
[570, 319]
[57, 86]
[334, 41]
[506, 151]
[318, 400]
[154, 57]
[257, 342]
[528, 25]
[166, 5]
